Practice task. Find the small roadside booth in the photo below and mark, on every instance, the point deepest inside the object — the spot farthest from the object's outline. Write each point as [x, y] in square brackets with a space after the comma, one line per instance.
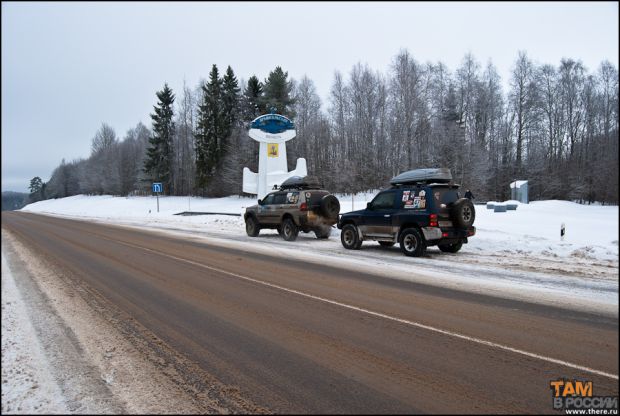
[519, 191]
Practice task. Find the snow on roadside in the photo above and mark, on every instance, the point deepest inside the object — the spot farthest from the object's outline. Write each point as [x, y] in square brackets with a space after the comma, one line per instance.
[532, 229]
[27, 383]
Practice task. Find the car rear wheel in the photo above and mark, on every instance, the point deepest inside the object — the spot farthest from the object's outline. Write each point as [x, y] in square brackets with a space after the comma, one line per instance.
[412, 243]
[450, 248]
[289, 230]
[349, 237]
[251, 226]
[323, 232]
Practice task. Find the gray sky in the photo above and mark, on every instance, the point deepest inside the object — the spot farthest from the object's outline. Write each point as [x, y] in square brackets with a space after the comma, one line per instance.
[68, 67]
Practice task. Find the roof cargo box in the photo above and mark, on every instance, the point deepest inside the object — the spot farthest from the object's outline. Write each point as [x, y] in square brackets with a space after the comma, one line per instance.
[299, 182]
[435, 175]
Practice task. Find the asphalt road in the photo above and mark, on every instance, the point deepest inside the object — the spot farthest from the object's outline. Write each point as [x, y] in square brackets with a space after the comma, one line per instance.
[297, 337]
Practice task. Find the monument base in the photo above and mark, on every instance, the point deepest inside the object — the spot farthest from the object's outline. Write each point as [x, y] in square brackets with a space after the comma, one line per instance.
[252, 185]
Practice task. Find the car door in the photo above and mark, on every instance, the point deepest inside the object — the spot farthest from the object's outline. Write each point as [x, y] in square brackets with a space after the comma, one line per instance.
[278, 207]
[264, 209]
[378, 215]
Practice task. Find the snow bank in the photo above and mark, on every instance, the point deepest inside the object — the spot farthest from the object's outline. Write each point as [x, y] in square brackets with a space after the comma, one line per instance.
[591, 231]
[27, 383]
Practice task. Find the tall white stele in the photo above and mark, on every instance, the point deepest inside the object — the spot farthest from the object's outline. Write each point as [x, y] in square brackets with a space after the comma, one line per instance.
[272, 169]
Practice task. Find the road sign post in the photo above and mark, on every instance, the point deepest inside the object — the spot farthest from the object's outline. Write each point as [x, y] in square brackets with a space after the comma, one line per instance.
[157, 189]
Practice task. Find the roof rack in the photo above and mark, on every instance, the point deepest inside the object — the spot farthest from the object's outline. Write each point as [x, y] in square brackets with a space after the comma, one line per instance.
[299, 182]
[425, 176]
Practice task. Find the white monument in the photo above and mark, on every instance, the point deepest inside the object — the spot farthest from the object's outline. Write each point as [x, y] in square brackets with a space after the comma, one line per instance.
[272, 131]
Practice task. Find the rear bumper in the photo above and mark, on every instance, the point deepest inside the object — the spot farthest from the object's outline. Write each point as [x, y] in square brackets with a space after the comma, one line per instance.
[310, 220]
[436, 235]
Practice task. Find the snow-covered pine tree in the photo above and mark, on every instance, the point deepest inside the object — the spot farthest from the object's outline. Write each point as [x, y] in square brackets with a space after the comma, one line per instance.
[252, 100]
[230, 102]
[159, 158]
[278, 93]
[209, 129]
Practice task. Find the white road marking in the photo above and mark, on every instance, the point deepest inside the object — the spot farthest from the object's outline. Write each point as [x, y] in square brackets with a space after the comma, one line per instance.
[382, 315]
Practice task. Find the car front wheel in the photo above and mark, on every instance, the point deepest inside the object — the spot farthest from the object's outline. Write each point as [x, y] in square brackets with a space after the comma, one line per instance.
[412, 243]
[251, 226]
[349, 237]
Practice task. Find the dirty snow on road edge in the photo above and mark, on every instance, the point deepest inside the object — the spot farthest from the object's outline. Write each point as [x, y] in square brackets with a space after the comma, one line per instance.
[27, 383]
[97, 367]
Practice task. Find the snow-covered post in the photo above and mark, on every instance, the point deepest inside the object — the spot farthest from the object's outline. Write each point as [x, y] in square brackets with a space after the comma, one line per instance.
[562, 232]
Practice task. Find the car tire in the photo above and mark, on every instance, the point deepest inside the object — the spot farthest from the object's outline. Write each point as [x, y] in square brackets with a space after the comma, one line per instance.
[289, 230]
[463, 213]
[350, 238]
[323, 233]
[450, 248]
[329, 206]
[411, 242]
[386, 243]
[251, 226]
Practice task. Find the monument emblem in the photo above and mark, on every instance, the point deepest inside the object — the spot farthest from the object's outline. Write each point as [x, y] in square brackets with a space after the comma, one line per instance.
[272, 131]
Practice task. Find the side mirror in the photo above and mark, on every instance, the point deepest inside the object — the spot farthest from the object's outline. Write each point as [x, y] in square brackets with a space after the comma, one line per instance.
[260, 202]
[369, 205]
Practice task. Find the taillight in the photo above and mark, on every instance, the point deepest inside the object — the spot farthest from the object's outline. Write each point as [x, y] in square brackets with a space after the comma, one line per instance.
[433, 222]
[303, 207]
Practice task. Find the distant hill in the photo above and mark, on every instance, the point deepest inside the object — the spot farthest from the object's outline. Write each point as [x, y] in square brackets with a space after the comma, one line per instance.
[13, 200]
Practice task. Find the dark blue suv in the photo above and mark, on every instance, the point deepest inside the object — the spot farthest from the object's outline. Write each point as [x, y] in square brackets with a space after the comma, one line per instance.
[422, 208]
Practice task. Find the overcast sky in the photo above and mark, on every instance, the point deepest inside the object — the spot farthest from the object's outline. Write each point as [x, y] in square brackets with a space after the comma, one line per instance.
[68, 67]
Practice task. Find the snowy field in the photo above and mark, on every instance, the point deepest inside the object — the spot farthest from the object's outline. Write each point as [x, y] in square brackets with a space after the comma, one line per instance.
[516, 253]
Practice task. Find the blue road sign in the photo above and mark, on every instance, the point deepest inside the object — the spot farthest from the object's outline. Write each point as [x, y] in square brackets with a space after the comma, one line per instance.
[157, 187]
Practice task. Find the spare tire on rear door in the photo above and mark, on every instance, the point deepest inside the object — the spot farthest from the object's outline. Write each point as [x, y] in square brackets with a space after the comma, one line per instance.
[330, 206]
[463, 213]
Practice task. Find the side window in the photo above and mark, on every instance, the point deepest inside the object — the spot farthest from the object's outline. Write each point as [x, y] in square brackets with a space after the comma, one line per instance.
[279, 199]
[414, 198]
[292, 197]
[268, 200]
[384, 200]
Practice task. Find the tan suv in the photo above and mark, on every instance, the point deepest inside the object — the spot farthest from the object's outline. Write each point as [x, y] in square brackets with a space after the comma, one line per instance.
[298, 205]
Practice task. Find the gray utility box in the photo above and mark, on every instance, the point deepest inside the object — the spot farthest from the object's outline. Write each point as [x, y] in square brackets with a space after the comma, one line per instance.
[519, 191]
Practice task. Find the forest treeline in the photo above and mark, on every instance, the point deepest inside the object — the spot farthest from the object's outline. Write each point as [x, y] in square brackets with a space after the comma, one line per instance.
[556, 126]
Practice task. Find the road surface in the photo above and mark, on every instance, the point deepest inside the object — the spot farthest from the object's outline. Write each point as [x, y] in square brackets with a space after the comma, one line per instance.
[295, 337]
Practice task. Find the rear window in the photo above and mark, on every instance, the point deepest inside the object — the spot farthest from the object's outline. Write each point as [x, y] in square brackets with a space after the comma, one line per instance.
[314, 197]
[445, 196]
